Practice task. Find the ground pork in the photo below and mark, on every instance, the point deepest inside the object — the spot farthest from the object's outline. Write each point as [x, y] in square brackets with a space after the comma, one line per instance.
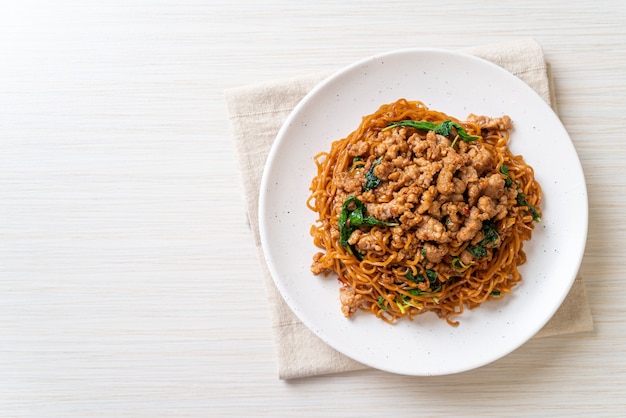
[435, 192]
[501, 123]
[350, 301]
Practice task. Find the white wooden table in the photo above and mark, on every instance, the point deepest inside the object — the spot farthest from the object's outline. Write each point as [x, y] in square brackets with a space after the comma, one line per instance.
[128, 278]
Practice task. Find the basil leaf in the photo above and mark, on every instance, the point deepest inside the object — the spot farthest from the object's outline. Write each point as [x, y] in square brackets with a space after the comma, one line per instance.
[351, 219]
[479, 251]
[371, 180]
[490, 232]
[507, 180]
[357, 162]
[444, 128]
[431, 276]
[521, 200]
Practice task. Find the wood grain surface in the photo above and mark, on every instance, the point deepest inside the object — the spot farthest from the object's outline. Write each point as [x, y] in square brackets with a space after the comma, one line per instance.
[129, 284]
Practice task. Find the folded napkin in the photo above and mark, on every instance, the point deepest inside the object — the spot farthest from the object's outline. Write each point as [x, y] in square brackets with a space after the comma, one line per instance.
[256, 114]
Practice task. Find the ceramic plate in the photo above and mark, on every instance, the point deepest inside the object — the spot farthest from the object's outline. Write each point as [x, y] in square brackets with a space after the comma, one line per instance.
[456, 84]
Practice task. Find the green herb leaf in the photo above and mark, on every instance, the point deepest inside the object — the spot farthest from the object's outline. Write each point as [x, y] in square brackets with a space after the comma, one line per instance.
[521, 200]
[380, 302]
[344, 229]
[490, 232]
[444, 128]
[358, 162]
[507, 180]
[351, 219]
[478, 251]
[371, 180]
[431, 276]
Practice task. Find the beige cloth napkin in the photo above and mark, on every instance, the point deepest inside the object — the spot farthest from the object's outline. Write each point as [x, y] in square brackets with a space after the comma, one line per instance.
[257, 113]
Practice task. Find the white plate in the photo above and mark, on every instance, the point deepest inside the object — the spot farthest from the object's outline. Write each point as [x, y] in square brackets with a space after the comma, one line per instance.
[456, 84]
